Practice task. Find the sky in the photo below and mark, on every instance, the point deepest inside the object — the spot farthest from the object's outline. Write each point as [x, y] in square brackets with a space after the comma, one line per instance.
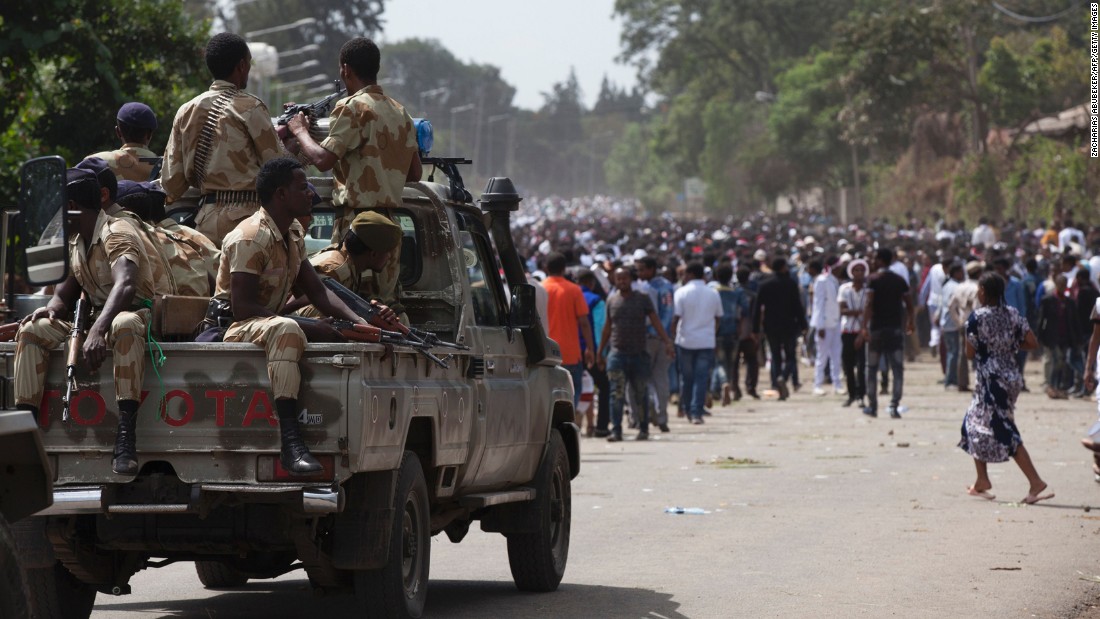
[533, 42]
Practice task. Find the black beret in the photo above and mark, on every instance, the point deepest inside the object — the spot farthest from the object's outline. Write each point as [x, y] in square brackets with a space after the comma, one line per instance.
[137, 115]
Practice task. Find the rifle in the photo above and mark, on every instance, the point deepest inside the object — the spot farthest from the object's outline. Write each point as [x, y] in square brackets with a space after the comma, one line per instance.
[315, 110]
[72, 352]
[8, 331]
[355, 332]
[370, 313]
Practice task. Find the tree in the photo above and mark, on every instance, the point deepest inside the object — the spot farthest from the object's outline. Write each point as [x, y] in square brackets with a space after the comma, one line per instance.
[1025, 75]
[72, 74]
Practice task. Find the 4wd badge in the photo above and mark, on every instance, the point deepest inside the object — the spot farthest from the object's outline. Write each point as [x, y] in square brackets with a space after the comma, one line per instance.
[306, 419]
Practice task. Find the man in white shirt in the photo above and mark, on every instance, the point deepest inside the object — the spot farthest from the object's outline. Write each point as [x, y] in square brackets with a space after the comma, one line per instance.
[983, 234]
[825, 326]
[696, 310]
[1070, 234]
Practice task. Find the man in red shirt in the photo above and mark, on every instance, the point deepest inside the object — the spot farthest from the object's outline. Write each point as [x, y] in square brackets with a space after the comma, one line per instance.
[568, 313]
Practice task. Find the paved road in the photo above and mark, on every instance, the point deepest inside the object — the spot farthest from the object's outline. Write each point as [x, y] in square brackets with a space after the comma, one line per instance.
[843, 516]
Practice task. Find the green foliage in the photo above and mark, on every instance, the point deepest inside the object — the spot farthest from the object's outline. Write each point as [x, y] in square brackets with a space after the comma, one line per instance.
[977, 189]
[1025, 73]
[1047, 178]
[805, 120]
[72, 74]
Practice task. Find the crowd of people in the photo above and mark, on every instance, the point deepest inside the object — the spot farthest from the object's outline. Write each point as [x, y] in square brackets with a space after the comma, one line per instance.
[854, 301]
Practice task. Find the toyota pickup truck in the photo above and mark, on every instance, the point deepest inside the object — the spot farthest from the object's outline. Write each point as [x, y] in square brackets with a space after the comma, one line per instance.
[410, 448]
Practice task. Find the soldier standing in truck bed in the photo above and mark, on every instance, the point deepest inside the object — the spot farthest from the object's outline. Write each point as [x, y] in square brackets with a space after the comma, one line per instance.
[109, 265]
[134, 125]
[372, 152]
[218, 142]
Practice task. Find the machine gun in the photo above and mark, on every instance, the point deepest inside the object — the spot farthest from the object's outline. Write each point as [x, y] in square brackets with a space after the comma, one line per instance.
[449, 167]
[72, 352]
[355, 332]
[315, 110]
[370, 313]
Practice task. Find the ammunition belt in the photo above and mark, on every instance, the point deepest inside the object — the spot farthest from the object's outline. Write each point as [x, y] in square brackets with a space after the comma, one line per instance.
[229, 198]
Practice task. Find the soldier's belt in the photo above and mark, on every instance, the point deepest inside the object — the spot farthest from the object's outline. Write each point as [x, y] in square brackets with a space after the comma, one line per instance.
[229, 197]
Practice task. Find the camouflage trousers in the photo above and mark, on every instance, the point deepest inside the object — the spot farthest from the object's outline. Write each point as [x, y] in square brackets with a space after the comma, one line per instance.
[35, 339]
[283, 341]
[216, 220]
[384, 285]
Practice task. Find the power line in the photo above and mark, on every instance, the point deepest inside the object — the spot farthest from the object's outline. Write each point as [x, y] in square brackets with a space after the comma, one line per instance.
[1046, 19]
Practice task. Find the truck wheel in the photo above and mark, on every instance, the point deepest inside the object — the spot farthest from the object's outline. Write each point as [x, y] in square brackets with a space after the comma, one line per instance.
[400, 589]
[538, 559]
[57, 594]
[217, 575]
[13, 585]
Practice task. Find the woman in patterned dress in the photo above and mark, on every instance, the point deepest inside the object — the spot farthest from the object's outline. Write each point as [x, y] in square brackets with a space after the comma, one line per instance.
[994, 334]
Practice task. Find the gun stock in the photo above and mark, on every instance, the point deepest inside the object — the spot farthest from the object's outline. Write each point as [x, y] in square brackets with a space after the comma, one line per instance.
[72, 353]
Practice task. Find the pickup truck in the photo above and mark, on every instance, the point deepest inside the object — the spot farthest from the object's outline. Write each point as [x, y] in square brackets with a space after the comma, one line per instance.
[410, 449]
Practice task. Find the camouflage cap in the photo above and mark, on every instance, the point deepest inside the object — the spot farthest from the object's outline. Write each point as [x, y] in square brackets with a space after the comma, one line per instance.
[137, 115]
[376, 231]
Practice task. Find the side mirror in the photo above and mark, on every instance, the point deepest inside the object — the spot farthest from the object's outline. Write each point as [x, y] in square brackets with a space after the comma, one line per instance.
[44, 233]
[523, 312]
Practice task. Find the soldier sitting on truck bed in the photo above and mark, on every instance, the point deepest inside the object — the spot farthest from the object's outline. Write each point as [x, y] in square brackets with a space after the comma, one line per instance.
[109, 266]
[370, 244]
[162, 249]
[219, 140]
[262, 259]
[372, 152]
[192, 259]
[135, 123]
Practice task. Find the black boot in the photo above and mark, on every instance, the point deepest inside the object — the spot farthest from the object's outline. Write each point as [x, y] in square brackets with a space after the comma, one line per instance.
[294, 455]
[125, 460]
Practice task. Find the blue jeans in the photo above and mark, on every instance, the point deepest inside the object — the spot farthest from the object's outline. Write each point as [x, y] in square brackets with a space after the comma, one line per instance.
[953, 341]
[576, 370]
[695, 366]
[628, 371]
[885, 345]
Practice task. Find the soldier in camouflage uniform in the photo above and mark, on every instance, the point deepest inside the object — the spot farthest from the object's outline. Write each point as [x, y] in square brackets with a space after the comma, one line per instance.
[109, 266]
[135, 123]
[262, 260]
[370, 244]
[108, 187]
[371, 149]
[218, 142]
[190, 257]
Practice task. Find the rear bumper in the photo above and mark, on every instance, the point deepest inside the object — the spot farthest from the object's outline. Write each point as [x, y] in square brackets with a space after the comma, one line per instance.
[313, 500]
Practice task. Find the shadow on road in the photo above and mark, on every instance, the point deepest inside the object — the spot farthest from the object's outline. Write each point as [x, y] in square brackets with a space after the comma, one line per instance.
[455, 599]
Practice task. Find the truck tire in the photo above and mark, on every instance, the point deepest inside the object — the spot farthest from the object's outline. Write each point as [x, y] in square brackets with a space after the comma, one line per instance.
[14, 596]
[400, 589]
[538, 559]
[217, 575]
[57, 594]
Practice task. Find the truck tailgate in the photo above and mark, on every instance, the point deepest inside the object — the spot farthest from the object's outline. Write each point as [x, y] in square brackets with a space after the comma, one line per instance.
[218, 415]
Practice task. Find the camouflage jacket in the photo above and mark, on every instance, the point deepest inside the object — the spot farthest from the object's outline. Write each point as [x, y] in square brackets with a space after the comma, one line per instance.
[243, 141]
[372, 136]
[113, 240]
[256, 246]
[125, 162]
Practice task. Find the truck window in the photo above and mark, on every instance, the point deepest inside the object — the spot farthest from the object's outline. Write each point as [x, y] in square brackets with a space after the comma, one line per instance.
[485, 289]
[319, 236]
